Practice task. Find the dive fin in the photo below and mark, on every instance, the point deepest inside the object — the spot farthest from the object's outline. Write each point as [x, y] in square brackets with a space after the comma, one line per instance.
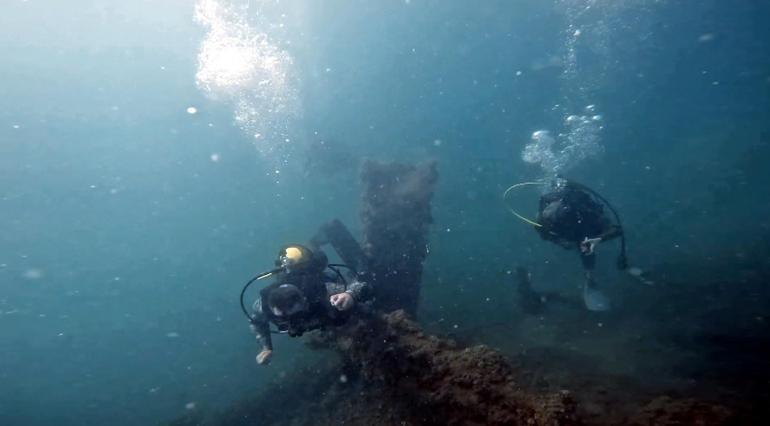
[595, 300]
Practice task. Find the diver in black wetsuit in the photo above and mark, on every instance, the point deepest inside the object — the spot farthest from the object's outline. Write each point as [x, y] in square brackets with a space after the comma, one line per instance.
[304, 296]
[571, 216]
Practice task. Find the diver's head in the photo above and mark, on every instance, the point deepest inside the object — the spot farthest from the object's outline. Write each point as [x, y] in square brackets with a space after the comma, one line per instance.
[286, 300]
[297, 258]
[551, 210]
[554, 213]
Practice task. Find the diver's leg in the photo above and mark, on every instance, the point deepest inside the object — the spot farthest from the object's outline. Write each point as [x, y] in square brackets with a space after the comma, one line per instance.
[589, 262]
[343, 242]
[593, 298]
[529, 301]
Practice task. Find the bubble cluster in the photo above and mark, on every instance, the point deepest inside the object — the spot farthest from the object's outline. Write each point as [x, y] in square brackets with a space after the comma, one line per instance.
[586, 50]
[579, 141]
[242, 67]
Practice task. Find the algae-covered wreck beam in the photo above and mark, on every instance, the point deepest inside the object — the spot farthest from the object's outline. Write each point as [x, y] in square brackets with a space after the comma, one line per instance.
[446, 384]
[396, 215]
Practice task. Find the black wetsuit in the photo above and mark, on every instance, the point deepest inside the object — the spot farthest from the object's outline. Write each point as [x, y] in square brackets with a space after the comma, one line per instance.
[317, 288]
[569, 215]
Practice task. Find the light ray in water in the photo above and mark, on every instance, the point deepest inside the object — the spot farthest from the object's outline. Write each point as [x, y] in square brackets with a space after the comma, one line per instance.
[242, 67]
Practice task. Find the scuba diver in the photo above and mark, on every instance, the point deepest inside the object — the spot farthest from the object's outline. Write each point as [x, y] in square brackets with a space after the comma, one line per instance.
[572, 216]
[304, 295]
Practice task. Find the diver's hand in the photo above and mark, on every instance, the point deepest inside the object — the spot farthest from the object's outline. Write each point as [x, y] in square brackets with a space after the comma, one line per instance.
[342, 301]
[589, 245]
[264, 356]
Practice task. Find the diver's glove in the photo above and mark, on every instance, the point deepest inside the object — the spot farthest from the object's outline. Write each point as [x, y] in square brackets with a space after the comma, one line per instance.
[342, 301]
[588, 245]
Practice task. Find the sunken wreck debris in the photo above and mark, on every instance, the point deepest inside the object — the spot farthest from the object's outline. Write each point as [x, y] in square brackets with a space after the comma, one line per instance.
[446, 384]
[395, 214]
[392, 373]
[665, 410]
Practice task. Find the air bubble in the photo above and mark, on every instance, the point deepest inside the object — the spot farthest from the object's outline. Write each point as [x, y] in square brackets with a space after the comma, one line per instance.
[241, 66]
[579, 141]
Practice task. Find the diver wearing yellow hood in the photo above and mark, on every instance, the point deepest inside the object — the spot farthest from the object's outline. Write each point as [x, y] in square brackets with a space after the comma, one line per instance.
[304, 295]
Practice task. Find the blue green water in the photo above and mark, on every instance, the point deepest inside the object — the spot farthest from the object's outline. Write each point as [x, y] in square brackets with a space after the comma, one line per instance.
[154, 155]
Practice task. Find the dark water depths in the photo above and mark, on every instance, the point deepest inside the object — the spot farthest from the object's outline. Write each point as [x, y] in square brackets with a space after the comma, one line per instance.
[154, 155]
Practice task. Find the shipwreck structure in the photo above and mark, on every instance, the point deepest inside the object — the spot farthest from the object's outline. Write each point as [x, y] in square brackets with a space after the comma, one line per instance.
[396, 216]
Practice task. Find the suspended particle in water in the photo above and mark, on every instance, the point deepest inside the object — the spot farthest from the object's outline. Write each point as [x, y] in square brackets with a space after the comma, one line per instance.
[343, 378]
[215, 157]
[16, 126]
[192, 110]
[172, 335]
[705, 38]
[437, 142]
[189, 406]
[33, 274]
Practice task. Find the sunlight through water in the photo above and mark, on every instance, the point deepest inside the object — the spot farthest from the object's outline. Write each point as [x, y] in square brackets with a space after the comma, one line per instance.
[243, 68]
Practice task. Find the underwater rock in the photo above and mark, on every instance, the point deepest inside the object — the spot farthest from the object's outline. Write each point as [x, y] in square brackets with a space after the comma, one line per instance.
[395, 214]
[446, 384]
